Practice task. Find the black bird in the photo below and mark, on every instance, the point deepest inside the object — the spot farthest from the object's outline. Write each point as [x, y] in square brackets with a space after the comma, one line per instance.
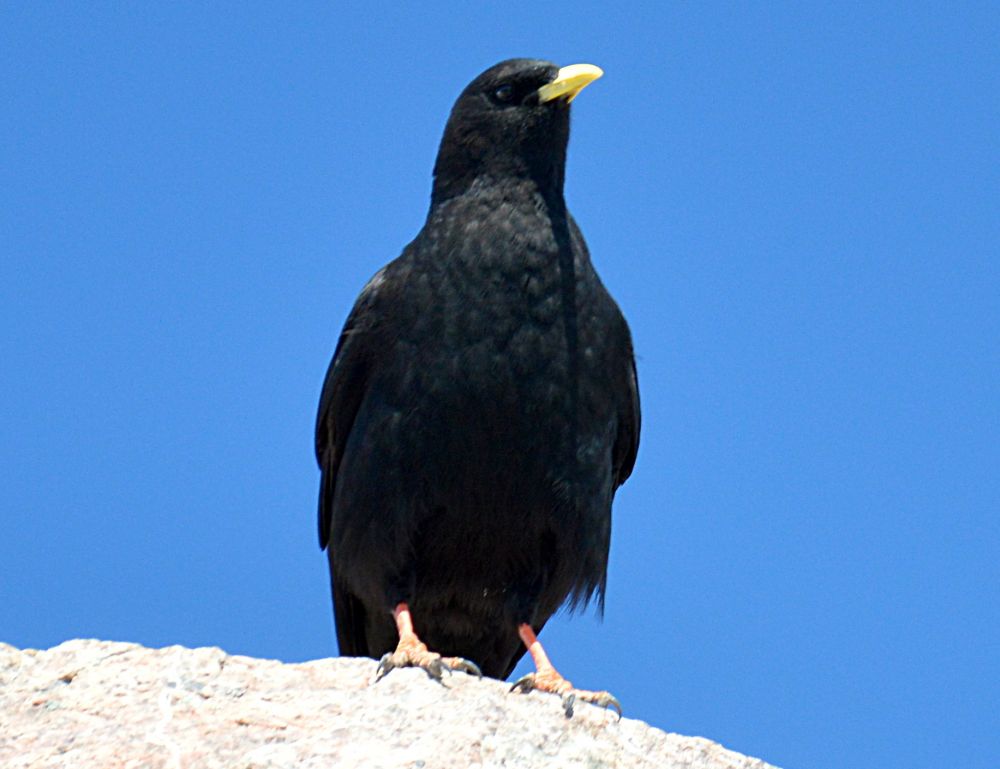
[481, 407]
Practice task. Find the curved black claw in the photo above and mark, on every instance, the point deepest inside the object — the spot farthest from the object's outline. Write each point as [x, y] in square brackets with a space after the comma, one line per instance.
[525, 683]
[384, 666]
[601, 699]
[437, 669]
[608, 700]
[464, 665]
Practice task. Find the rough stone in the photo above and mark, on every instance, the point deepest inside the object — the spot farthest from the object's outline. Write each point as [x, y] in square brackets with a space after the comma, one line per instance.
[89, 703]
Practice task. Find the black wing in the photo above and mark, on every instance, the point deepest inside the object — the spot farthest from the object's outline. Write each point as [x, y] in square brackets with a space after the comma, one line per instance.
[626, 387]
[343, 391]
[629, 422]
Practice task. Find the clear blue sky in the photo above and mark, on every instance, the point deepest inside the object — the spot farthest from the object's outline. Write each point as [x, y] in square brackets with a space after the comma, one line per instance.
[796, 206]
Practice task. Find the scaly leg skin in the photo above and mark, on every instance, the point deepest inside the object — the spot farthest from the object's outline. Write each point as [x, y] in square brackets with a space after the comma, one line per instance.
[412, 652]
[548, 679]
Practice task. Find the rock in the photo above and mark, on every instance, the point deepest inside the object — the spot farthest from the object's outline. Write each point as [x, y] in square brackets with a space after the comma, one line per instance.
[100, 704]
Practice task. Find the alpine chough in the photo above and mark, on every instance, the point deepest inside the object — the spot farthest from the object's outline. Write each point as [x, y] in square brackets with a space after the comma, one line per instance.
[481, 407]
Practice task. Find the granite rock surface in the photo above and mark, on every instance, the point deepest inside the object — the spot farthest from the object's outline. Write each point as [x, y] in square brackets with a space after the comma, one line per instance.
[88, 703]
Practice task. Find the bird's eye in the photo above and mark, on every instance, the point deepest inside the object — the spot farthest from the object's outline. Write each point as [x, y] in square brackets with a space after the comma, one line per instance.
[504, 93]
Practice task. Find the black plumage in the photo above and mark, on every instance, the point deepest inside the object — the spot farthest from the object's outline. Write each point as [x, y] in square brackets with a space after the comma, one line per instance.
[481, 407]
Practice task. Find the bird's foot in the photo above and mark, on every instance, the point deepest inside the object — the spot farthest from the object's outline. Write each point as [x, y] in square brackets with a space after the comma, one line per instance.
[550, 680]
[411, 652]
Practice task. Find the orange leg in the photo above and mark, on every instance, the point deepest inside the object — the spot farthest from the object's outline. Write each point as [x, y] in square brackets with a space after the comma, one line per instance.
[412, 652]
[548, 679]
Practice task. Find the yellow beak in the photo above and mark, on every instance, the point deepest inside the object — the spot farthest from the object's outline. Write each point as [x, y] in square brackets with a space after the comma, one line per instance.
[569, 82]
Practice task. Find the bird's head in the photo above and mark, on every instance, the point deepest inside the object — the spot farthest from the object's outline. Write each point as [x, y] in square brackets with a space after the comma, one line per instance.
[511, 121]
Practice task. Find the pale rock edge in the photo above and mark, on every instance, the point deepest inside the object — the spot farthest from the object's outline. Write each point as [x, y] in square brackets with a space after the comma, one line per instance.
[88, 703]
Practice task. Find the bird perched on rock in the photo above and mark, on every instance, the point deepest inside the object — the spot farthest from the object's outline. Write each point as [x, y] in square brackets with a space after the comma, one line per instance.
[481, 407]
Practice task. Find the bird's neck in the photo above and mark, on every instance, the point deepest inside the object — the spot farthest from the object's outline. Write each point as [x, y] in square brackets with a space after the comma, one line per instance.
[540, 172]
[501, 187]
[485, 193]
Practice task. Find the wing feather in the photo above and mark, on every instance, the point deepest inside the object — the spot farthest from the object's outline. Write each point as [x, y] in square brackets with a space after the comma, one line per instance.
[343, 391]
